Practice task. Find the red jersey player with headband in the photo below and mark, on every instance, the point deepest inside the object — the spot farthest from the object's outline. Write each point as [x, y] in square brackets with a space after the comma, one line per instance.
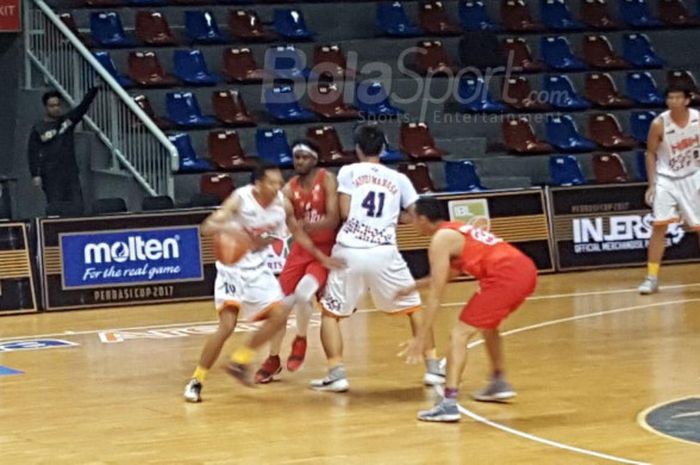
[506, 278]
[311, 197]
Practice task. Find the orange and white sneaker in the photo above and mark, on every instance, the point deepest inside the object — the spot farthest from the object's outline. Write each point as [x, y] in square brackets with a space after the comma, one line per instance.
[296, 357]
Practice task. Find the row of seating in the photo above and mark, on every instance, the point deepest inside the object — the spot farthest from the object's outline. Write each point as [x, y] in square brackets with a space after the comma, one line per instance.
[433, 19]
[272, 146]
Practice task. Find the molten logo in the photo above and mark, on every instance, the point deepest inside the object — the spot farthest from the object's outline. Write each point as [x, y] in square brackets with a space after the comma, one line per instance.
[135, 248]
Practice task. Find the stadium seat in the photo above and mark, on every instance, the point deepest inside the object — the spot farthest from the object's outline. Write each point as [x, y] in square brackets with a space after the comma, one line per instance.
[372, 99]
[434, 20]
[562, 95]
[220, 186]
[637, 49]
[286, 62]
[461, 176]
[609, 168]
[145, 69]
[474, 97]
[205, 199]
[517, 52]
[68, 20]
[419, 175]
[191, 68]
[556, 53]
[563, 134]
[432, 58]
[636, 14]
[157, 202]
[105, 60]
[595, 14]
[516, 17]
[390, 154]
[143, 3]
[473, 17]
[642, 88]
[520, 138]
[599, 54]
[143, 103]
[152, 29]
[641, 164]
[518, 94]
[240, 66]
[245, 25]
[330, 62]
[290, 25]
[565, 170]
[330, 148]
[416, 140]
[201, 28]
[190, 162]
[230, 109]
[676, 14]
[108, 206]
[283, 106]
[640, 121]
[684, 78]
[107, 31]
[604, 129]
[326, 100]
[273, 148]
[602, 92]
[393, 21]
[556, 16]
[225, 151]
[183, 109]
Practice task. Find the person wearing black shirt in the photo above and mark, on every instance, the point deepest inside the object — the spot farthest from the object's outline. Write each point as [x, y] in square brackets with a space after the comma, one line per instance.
[51, 150]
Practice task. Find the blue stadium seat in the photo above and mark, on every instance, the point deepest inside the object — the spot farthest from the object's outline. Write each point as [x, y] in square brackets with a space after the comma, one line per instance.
[284, 107]
[190, 68]
[637, 49]
[642, 88]
[639, 124]
[290, 25]
[461, 176]
[105, 60]
[189, 160]
[286, 62]
[561, 94]
[273, 148]
[393, 21]
[183, 110]
[555, 15]
[201, 27]
[556, 53]
[371, 99]
[641, 162]
[475, 97]
[138, 3]
[473, 17]
[563, 134]
[107, 31]
[637, 14]
[564, 170]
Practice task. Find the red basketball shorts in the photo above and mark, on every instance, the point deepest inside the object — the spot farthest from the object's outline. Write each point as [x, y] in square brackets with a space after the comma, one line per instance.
[299, 263]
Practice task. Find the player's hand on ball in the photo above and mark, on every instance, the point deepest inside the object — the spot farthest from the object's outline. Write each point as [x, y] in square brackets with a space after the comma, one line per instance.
[649, 196]
[412, 350]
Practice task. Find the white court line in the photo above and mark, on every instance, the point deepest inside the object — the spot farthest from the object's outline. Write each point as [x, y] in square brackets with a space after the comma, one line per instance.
[208, 322]
[542, 440]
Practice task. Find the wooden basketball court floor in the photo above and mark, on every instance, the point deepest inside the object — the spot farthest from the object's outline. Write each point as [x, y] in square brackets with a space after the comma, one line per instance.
[586, 353]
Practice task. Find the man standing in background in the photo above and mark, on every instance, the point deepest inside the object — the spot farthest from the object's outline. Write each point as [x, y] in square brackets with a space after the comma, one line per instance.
[51, 150]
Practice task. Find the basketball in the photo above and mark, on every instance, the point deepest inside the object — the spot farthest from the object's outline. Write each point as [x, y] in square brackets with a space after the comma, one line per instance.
[231, 246]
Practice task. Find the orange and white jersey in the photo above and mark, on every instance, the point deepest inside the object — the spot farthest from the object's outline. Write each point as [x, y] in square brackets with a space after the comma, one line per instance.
[378, 194]
[679, 146]
[260, 220]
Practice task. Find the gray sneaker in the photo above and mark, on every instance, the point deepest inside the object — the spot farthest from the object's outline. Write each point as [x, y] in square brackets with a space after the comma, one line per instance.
[442, 411]
[330, 384]
[498, 390]
[649, 286]
[193, 391]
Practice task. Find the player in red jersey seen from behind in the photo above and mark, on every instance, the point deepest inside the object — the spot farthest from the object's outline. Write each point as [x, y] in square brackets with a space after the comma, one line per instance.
[311, 201]
[506, 278]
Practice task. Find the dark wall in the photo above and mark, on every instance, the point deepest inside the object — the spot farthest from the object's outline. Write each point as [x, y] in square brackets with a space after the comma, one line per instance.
[10, 72]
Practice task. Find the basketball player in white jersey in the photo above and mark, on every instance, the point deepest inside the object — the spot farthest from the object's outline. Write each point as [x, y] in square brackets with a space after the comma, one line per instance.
[248, 290]
[673, 170]
[371, 199]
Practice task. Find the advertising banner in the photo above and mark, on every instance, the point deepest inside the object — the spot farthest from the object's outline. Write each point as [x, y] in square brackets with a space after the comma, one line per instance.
[16, 277]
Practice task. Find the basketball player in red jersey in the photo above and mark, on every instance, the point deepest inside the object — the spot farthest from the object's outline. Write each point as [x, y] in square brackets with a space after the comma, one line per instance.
[311, 198]
[506, 277]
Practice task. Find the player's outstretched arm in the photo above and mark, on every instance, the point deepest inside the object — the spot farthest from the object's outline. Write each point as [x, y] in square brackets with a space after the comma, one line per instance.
[218, 220]
[654, 138]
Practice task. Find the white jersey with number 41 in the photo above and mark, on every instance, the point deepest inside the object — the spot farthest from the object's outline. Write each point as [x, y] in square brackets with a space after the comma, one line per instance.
[378, 194]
